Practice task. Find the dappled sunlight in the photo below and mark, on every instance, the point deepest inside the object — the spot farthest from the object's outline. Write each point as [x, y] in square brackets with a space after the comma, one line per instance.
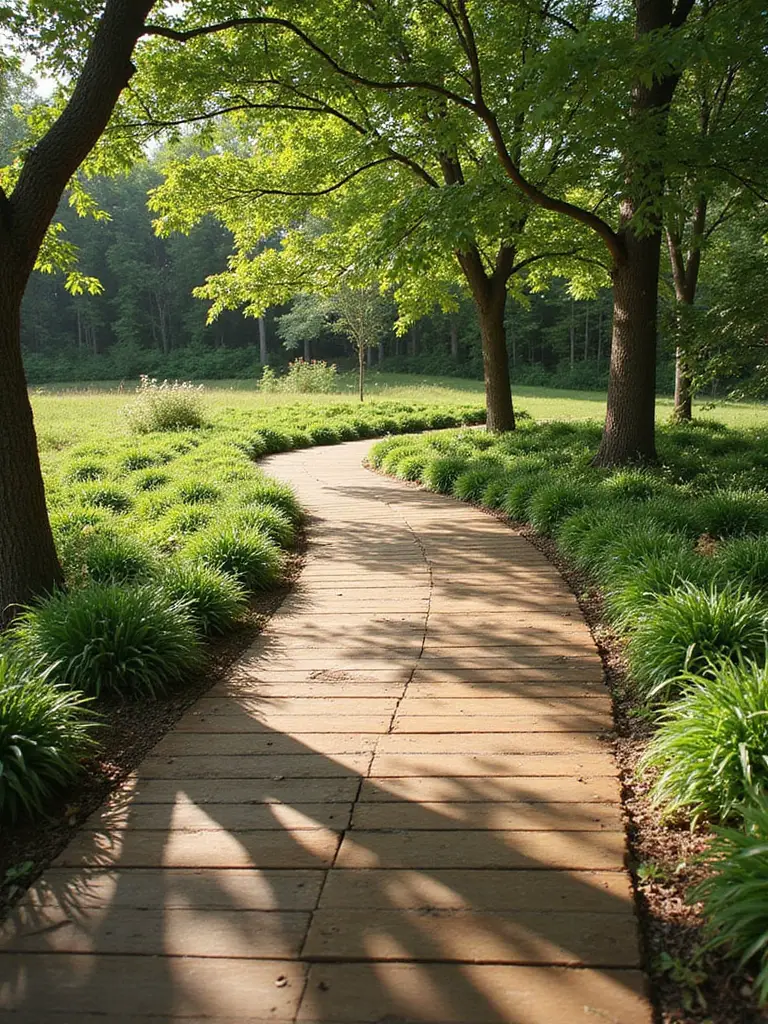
[385, 813]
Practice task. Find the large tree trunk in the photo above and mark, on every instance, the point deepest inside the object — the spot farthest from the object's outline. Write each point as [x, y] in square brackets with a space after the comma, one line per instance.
[500, 414]
[28, 562]
[263, 355]
[490, 294]
[630, 418]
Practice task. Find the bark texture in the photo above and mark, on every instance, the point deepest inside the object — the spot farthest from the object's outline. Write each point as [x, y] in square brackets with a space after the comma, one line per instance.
[489, 291]
[629, 434]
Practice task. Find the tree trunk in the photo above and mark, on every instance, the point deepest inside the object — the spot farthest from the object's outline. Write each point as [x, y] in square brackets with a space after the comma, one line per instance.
[683, 412]
[381, 352]
[500, 414]
[573, 334]
[369, 357]
[307, 350]
[586, 333]
[630, 418]
[361, 370]
[412, 341]
[263, 355]
[28, 562]
[454, 340]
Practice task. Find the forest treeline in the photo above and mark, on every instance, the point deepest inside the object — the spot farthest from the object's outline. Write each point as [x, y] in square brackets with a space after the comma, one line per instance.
[146, 320]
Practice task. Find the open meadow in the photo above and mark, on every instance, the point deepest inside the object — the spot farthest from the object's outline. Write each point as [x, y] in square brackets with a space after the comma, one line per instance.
[74, 411]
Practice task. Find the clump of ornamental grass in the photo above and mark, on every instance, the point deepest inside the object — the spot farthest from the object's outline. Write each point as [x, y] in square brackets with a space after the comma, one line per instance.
[690, 629]
[120, 641]
[744, 560]
[410, 467]
[634, 585]
[138, 460]
[632, 485]
[472, 483]
[74, 518]
[213, 599]
[496, 488]
[45, 732]
[85, 471]
[198, 492]
[272, 492]
[150, 480]
[324, 434]
[730, 513]
[166, 405]
[104, 556]
[524, 485]
[556, 501]
[734, 894]
[105, 496]
[269, 520]
[243, 552]
[439, 474]
[709, 752]
[637, 542]
[379, 451]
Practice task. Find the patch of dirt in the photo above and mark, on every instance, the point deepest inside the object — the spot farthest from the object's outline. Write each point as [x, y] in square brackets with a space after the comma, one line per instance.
[128, 732]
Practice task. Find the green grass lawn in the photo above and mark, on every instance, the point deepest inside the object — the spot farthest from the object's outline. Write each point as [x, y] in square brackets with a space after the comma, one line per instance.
[74, 411]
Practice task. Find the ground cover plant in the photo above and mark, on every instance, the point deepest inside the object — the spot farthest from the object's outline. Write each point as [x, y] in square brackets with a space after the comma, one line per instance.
[678, 552]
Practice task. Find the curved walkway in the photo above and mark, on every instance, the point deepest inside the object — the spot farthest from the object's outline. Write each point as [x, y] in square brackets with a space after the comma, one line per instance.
[402, 806]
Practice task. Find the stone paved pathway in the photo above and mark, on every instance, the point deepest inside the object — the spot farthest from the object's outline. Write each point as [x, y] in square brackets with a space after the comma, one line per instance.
[402, 807]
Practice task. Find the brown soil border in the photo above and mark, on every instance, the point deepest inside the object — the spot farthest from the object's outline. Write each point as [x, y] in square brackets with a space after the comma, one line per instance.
[128, 733]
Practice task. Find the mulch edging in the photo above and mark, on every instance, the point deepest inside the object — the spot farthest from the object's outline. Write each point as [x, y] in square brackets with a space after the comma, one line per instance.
[128, 733]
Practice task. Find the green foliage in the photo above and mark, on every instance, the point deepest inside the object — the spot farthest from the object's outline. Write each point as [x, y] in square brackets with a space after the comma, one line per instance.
[198, 492]
[554, 502]
[270, 520]
[44, 734]
[302, 377]
[689, 630]
[744, 559]
[729, 513]
[213, 599]
[272, 492]
[440, 474]
[516, 501]
[709, 751]
[734, 893]
[122, 641]
[245, 553]
[106, 496]
[104, 556]
[631, 588]
[472, 484]
[169, 405]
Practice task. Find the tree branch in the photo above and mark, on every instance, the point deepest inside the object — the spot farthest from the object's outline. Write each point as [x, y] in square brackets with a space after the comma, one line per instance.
[289, 26]
[311, 193]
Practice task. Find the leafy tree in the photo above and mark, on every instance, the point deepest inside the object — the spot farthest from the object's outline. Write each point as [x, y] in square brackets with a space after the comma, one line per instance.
[723, 134]
[363, 316]
[397, 186]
